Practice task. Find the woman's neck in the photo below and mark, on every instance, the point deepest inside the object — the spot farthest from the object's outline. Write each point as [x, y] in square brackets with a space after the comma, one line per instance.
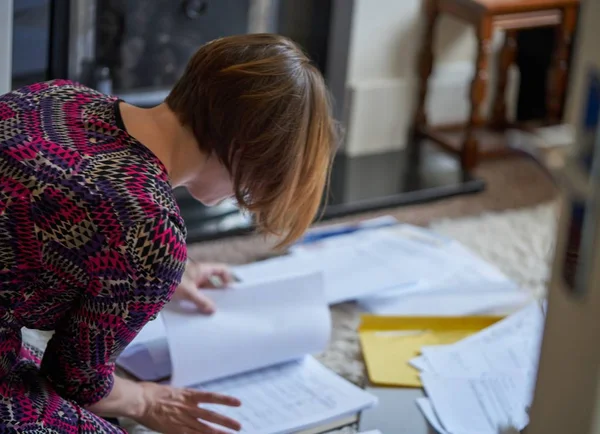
[160, 130]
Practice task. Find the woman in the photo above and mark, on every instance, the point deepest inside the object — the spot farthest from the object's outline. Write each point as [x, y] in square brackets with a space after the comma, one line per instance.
[92, 244]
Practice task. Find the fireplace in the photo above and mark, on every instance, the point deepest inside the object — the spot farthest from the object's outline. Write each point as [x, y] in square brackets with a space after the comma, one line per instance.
[142, 47]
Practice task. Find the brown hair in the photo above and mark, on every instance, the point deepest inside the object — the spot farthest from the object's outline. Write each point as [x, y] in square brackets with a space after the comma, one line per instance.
[257, 103]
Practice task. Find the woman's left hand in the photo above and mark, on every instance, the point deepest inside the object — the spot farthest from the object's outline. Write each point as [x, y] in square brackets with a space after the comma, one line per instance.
[202, 275]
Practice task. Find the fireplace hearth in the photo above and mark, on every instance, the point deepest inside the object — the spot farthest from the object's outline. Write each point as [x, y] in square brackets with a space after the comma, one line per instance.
[358, 184]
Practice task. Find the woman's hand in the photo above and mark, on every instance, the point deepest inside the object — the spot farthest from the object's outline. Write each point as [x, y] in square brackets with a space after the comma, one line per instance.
[201, 275]
[175, 411]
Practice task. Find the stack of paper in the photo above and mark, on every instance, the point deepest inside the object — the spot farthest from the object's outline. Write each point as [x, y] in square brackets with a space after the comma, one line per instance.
[257, 348]
[485, 381]
[290, 398]
[463, 284]
[397, 270]
[354, 265]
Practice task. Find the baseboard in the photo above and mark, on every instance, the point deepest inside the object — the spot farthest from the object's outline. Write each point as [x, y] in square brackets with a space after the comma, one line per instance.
[379, 112]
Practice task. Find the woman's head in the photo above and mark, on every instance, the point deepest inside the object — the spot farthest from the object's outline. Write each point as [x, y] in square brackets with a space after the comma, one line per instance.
[261, 111]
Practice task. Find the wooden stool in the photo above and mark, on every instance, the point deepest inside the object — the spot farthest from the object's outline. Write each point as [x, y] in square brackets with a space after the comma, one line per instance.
[487, 15]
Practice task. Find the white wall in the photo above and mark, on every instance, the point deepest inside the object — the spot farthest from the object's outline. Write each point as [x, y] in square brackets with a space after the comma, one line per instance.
[380, 83]
[6, 19]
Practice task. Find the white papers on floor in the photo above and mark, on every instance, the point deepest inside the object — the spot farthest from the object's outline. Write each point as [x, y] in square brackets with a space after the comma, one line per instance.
[467, 285]
[353, 265]
[381, 267]
[289, 398]
[485, 381]
[477, 405]
[444, 299]
[255, 326]
[255, 348]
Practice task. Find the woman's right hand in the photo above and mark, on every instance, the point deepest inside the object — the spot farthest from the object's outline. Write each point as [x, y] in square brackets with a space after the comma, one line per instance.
[175, 411]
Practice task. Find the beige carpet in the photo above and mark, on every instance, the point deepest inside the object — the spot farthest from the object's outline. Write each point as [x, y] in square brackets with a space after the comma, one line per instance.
[511, 224]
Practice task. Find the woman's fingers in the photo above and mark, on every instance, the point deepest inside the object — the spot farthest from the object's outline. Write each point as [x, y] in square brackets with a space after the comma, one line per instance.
[213, 276]
[196, 397]
[199, 396]
[201, 301]
[225, 275]
[219, 419]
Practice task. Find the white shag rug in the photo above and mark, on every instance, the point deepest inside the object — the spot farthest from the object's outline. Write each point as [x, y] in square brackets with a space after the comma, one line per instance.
[520, 242]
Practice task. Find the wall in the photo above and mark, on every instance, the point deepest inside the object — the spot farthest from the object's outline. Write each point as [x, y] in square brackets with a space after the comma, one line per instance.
[6, 19]
[380, 81]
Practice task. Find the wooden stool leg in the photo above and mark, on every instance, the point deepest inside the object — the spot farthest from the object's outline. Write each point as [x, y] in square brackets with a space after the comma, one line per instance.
[557, 80]
[425, 66]
[507, 57]
[469, 149]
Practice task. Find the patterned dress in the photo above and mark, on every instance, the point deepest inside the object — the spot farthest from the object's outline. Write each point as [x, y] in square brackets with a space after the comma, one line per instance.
[92, 246]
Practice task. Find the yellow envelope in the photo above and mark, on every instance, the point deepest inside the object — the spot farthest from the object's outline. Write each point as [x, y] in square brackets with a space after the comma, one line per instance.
[389, 342]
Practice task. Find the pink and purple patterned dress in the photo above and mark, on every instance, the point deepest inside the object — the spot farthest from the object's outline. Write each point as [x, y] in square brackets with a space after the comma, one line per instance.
[92, 245]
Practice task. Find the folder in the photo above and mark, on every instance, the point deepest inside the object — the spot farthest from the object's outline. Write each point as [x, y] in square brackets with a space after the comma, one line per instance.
[389, 342]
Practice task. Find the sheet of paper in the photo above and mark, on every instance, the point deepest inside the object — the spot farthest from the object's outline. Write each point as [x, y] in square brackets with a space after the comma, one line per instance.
[510, 355]
[269, 269]
[290, 397]
[349, 269]
[471, 264]
[419, 363]
[512, 344]
[477, 405]
[256, 325]
[528, 323]
[429, 413]
[374, 431]
[321, 233]
[444, 299]
[359, 264]
[147, 356]
[466, 285]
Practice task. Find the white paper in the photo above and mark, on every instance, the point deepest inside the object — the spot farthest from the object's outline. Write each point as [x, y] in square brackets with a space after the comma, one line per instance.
[375, 431]
[290, 397]
[464, 265]
[485, 381]
[147, 355]
[419, 363]
[255, 325]
[477, 405]
[369, 224]
[527, 323]
[269, 269]
[364, 263]
[441, 299]
[464, 285]
[511, 344]
[429, 413]
[350, 269]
